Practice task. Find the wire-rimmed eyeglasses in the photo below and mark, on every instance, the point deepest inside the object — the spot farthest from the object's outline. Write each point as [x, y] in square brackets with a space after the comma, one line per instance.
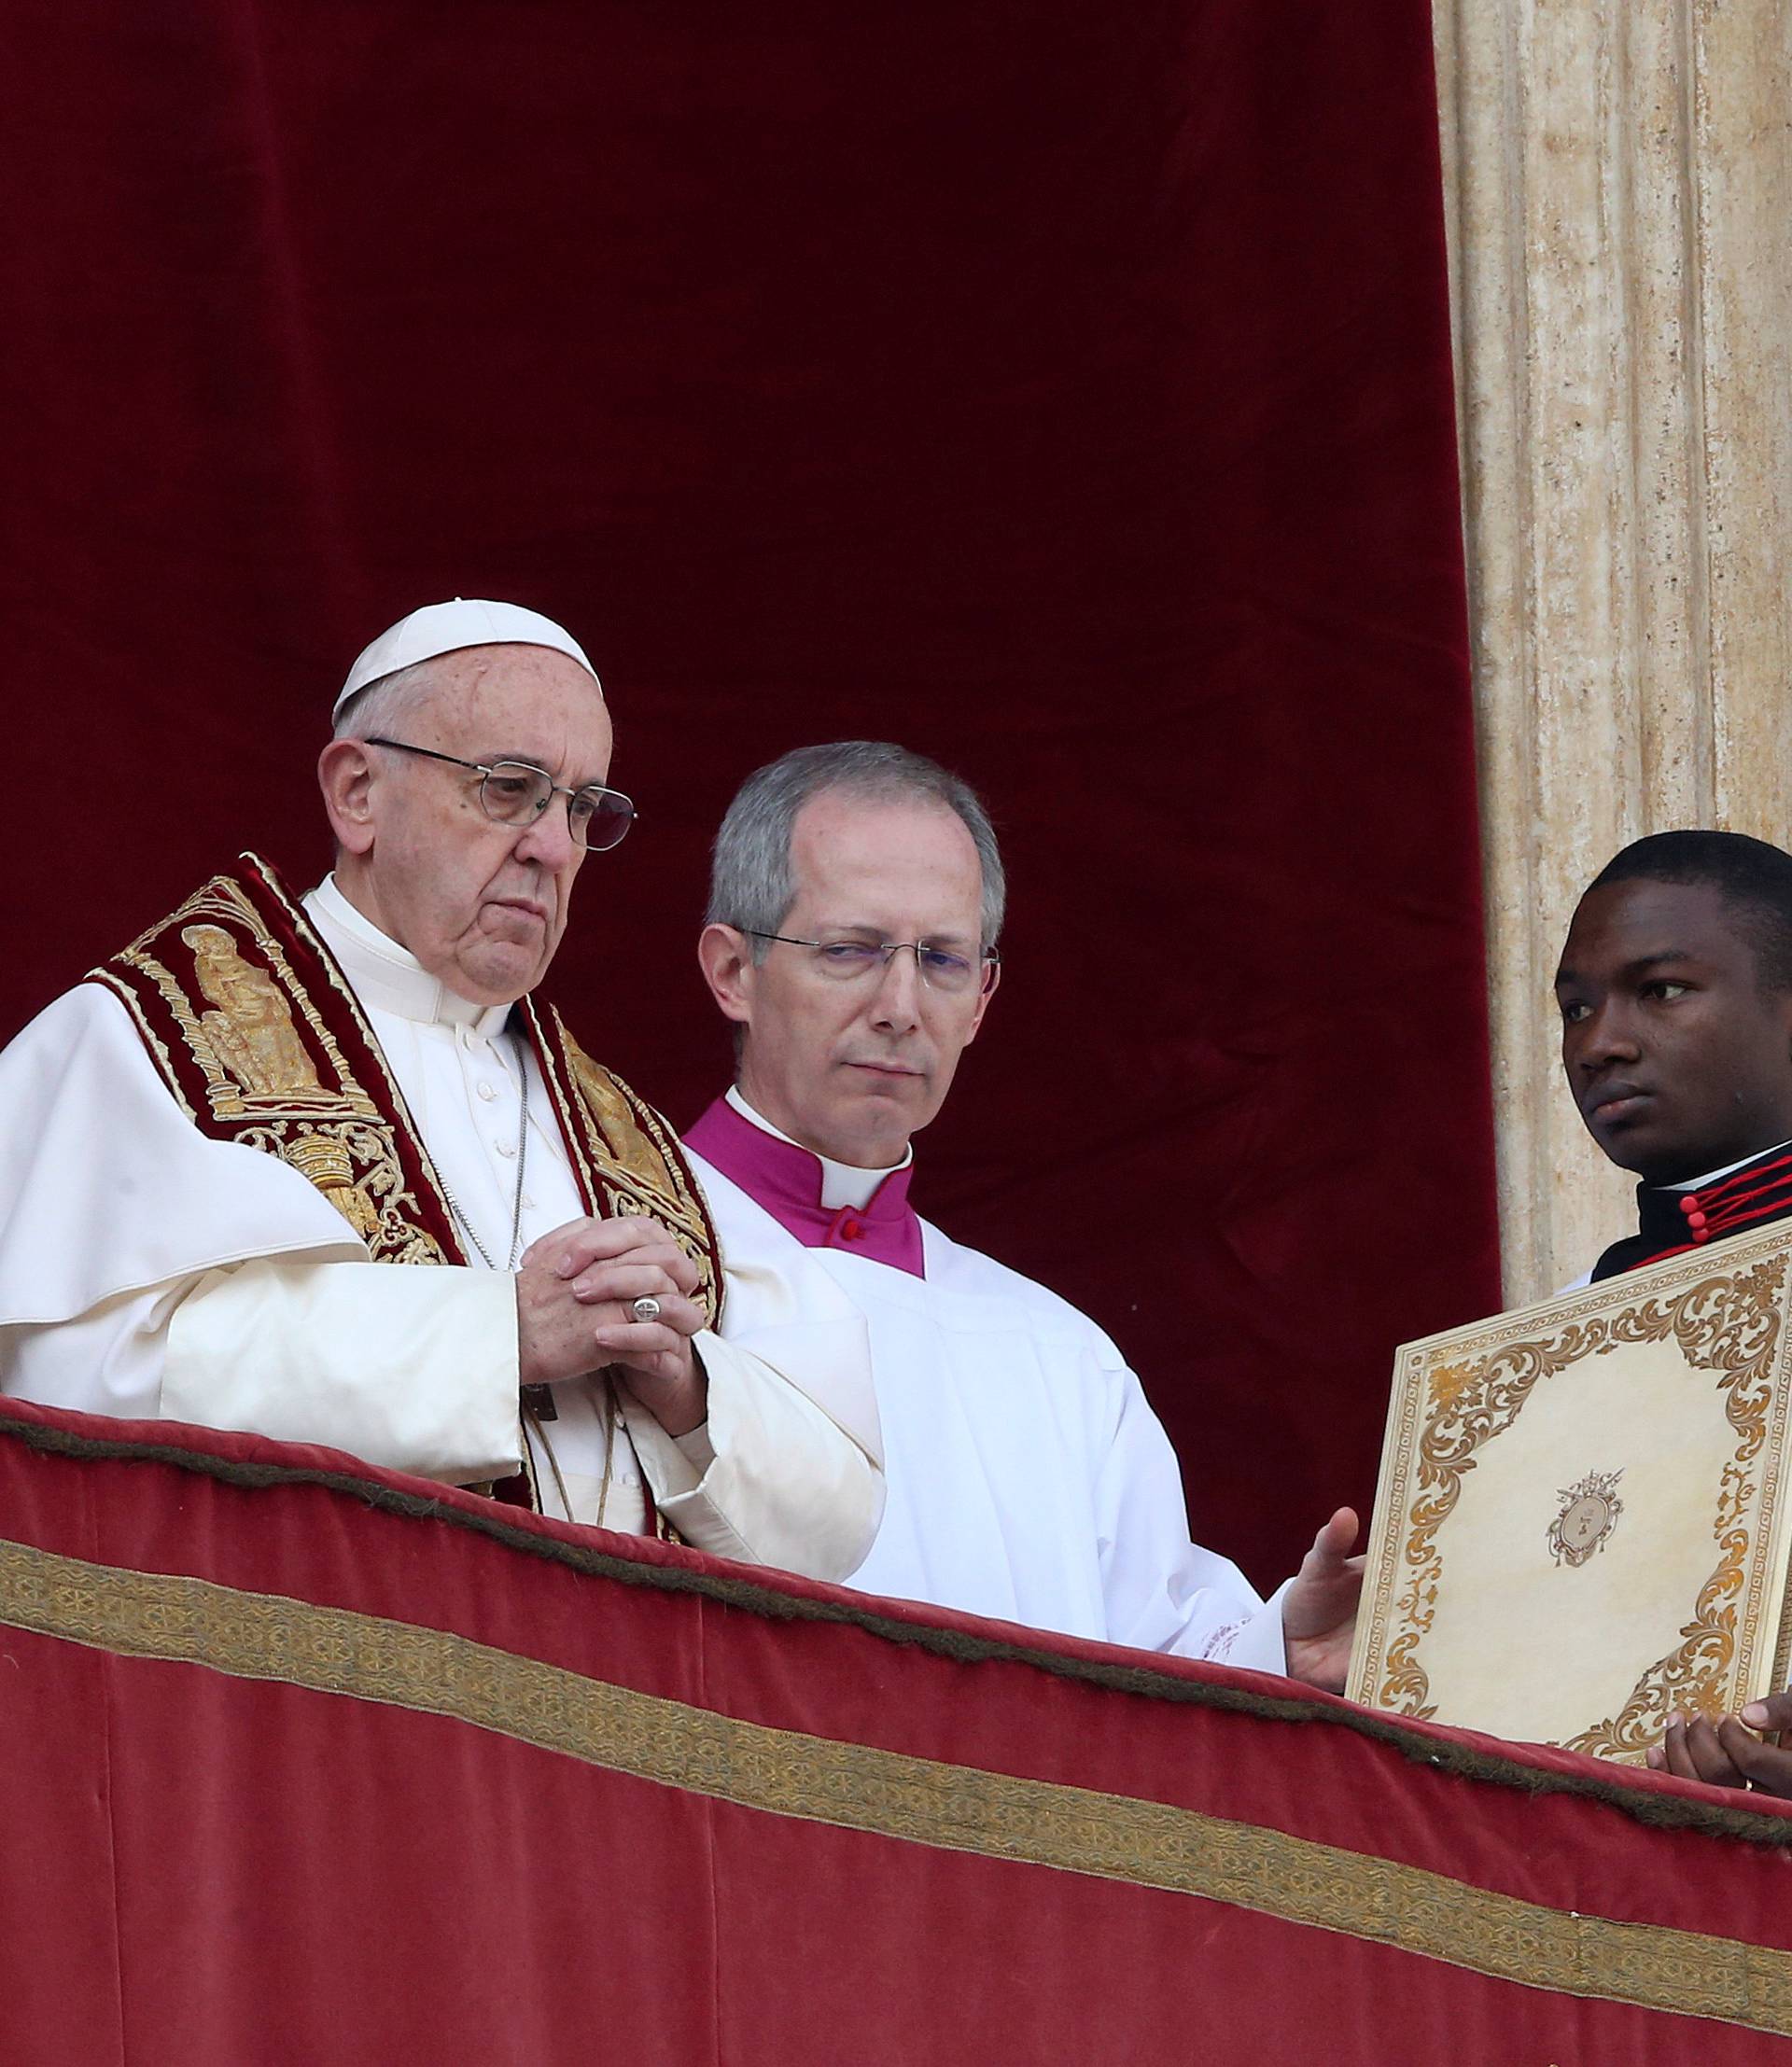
[516, 792]
[942, 968]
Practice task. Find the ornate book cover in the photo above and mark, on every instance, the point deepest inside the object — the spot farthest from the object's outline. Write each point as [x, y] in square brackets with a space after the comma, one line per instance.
[1582, 1520]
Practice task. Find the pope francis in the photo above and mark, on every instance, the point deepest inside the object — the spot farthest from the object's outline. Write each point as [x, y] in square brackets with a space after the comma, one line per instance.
[330, 1169]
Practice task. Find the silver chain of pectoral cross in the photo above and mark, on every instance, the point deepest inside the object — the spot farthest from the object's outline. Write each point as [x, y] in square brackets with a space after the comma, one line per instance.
[522, 1159]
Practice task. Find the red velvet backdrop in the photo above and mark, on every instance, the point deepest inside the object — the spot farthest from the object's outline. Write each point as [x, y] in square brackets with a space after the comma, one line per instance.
[1063, 389]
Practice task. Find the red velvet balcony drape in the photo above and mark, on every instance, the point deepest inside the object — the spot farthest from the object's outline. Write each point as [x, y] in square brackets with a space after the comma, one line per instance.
[306, 1763]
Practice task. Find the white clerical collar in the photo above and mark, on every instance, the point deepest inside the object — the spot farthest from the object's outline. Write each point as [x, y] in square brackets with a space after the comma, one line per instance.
[1711, 1177]
[388, 977]
[842, 1183]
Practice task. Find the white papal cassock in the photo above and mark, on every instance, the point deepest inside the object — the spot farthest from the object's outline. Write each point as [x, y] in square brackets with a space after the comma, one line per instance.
[147, 1271]
[1027, 1478]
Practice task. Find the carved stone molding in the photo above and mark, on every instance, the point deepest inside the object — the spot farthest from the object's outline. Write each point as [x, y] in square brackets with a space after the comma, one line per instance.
[1618, 186]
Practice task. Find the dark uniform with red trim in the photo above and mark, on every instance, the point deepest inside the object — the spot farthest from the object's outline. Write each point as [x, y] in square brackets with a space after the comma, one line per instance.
[1675, 1218]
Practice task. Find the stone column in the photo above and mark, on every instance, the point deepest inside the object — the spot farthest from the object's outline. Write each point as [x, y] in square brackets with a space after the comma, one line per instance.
[1618, 188]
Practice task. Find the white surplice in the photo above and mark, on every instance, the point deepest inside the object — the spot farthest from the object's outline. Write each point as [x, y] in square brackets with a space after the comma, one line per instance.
[1027, 1478]
[147, 1271]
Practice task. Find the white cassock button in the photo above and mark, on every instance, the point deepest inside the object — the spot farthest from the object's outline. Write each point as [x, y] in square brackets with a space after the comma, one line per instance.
[485, 1090]
[506, 1150]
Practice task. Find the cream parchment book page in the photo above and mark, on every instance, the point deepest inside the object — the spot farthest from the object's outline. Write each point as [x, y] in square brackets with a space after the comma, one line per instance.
[1582, 1521]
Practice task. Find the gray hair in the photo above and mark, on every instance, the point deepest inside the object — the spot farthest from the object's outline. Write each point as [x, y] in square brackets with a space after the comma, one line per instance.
[384, 704]
[751, 885]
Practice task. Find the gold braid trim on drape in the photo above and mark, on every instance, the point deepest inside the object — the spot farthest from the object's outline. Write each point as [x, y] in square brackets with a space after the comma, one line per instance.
[862, 1787]
[1447, 1755]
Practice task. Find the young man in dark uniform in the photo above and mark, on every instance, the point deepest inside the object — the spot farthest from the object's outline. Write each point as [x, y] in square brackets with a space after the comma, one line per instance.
[1676, 989]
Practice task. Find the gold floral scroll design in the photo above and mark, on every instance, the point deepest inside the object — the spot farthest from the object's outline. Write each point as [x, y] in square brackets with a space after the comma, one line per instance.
[351, 1164]
[262, 1086]
[1730, 1325]
[634, 1161]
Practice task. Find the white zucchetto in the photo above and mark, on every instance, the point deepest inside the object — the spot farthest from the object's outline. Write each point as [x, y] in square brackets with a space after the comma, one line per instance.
[441, 628]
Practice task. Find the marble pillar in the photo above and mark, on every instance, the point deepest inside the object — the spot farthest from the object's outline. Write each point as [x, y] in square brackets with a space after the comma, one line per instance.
[1618, 188]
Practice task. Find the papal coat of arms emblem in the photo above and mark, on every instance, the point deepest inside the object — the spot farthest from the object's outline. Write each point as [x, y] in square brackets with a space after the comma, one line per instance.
[1589, 1512]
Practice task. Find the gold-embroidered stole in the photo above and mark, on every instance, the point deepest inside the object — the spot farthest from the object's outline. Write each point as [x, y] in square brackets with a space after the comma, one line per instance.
[258, 1036]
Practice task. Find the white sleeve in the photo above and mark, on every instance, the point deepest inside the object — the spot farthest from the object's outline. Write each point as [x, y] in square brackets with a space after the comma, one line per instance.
[1163, 1592]
[147, 1272]
[787, 1470]
[776, 1481]
[106, 1186]
[413, 1368]
[106, 1361]
[1258, 1643]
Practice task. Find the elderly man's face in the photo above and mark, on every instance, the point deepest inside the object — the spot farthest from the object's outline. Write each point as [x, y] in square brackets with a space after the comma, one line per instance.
[481, 905]
[851, 1070]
